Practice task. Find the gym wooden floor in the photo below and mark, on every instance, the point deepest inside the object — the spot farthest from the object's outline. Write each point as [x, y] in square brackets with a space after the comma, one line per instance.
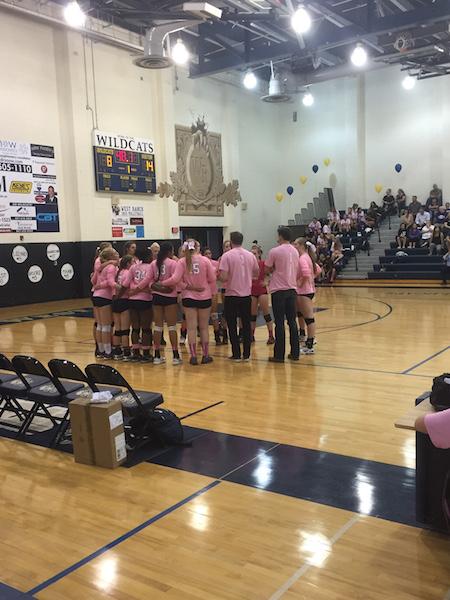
[153, 531]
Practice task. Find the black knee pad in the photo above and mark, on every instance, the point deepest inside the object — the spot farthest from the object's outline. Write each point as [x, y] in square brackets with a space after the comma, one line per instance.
[268, 318]
[95, 324]
[147, 331]
[299, 315]
[310, 321]
[183, 316]
[136, 331]
[253, 318]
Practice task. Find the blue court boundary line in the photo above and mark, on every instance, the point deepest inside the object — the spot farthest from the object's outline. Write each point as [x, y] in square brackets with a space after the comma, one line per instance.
[422, 362]
[121, 539]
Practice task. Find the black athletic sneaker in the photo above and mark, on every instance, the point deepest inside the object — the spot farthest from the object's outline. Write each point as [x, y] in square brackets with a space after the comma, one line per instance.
[193, 360]
[206, 360]
[135, 357]
[235, 358]
[296, 358]
[109, 356]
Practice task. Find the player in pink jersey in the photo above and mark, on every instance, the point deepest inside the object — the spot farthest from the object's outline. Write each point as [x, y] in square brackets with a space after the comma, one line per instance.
[140, 304]
[129, 249]
[121, 312]
[183, 329]
[282, 263]
[226, 247]
[196, 275]
[165, 304]
[104, 288]
[95, 268]
[214, 298]
[260, 296]
[308, 270]
[238, 268]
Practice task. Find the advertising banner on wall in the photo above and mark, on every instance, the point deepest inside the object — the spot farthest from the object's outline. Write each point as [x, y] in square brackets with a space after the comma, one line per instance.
[28, 188]
[127, 221]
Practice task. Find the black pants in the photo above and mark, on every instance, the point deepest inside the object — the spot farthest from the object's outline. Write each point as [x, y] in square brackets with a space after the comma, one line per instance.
[445, 273]
[284, 305]
[239, 307]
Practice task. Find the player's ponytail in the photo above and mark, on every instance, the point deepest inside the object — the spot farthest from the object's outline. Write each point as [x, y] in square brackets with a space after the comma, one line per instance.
[165, 250]
[189, 248]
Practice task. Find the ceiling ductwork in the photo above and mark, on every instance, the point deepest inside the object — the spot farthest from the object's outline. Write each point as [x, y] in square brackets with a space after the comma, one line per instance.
[156, 52]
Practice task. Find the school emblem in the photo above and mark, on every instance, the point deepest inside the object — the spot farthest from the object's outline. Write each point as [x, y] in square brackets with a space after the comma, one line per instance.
[198, 184]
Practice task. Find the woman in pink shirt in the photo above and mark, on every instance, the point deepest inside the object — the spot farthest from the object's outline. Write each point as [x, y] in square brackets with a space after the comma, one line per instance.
[214, 297]
[307, 271]
[140, 304]
[226, 247]
[121, 312]
[95, 268]
[196, 274]
[260, 296]
[104, 288]
[165, 303]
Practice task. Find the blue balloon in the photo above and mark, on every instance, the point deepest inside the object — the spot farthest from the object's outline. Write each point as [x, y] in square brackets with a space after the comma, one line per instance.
[315, 168]
[290, 190]
[398, 167]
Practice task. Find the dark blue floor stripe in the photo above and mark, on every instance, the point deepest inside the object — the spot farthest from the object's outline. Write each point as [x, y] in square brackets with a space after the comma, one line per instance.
[362, 486]
[121, 539]
[9, 593]
[422, 362]
[196, 412]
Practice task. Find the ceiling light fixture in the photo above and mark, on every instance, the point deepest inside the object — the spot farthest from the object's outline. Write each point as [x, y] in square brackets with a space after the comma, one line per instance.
[179, 53]
[74, 15]
[308, 99]
[359, 56]
[250, 81]
[408, 82]
[300, 20]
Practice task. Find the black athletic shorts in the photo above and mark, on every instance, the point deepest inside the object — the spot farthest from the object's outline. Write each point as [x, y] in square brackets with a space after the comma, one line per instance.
[191, 303]
[99, 302]
[120, 305]
[139, 305]
[310, 296]
[159, 300]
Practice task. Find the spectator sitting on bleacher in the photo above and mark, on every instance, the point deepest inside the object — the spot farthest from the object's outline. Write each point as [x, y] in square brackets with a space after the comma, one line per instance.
[413, 236]
[422, 217]
[389, 202]
[315, 226]
[446, 228]
[401, 238]
[326, 228]
[333, 215]
[337, 261]
[426, 233]
[436, 241]
[407, 218]
[415, 205]
[433, 206]
[447, 209]
[441, 216]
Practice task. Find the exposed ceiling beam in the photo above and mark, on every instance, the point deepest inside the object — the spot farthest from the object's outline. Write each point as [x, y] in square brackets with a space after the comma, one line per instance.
[327, 40]
[403, 5]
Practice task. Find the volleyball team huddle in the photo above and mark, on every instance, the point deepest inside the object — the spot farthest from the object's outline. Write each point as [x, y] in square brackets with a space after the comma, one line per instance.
[143, 289]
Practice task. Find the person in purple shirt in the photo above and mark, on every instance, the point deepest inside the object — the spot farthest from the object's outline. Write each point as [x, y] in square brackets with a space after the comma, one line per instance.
[414, 236]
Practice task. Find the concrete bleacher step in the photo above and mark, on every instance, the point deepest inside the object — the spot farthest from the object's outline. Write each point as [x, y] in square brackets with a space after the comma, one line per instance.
[404, 275]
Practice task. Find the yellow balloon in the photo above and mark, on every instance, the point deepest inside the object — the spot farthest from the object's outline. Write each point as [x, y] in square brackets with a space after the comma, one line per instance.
[378, 188]
[326, 162]
[303, 179]
[279, 197]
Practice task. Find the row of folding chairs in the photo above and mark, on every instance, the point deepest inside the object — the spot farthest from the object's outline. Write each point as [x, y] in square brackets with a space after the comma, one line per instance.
[25, 378]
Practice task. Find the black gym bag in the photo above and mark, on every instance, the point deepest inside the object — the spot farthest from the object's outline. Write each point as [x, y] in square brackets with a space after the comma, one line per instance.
[440, 392]
[162, 426]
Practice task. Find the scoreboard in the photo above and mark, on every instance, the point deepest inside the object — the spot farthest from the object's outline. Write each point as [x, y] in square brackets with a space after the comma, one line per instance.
[122, 166]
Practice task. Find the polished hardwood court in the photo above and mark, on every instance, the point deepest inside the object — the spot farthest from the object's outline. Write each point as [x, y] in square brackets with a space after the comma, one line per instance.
[296, 486]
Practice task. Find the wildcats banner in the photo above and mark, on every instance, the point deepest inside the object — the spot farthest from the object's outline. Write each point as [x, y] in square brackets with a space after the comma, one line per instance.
[28, 188]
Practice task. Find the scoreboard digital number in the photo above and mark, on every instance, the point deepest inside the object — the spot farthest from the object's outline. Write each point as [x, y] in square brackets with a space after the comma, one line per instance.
[118, 170]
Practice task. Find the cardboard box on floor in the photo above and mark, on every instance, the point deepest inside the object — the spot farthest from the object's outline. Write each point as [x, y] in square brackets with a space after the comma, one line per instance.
[98, 434]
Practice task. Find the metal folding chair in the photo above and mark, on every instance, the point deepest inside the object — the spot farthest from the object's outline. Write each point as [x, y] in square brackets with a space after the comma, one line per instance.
[138, 405]
[48, 394]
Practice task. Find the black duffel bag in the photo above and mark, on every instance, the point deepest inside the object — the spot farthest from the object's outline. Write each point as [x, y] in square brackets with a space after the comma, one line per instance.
[440, 392]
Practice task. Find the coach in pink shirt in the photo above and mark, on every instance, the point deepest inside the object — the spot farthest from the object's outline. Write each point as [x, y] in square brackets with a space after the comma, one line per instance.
[238, 267]
[282, 263]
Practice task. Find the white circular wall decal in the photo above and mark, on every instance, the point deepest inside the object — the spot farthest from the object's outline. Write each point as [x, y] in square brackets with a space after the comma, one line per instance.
[20, 254]
[4, 276]
[53, 252]
[35, 274]
[67, 271]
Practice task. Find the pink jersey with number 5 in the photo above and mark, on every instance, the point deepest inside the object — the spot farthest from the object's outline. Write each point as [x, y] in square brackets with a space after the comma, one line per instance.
[202, 275]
